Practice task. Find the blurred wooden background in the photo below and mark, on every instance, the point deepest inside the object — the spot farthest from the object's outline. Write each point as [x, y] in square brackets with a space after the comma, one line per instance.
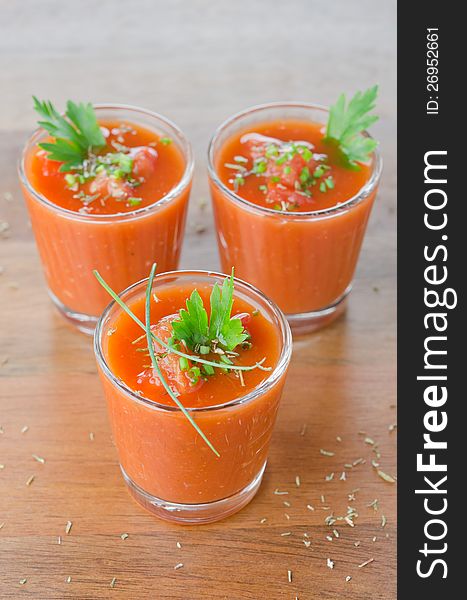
[195, 61]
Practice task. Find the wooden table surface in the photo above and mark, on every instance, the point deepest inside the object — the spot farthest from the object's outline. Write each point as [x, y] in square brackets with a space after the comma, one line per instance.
[196, 62]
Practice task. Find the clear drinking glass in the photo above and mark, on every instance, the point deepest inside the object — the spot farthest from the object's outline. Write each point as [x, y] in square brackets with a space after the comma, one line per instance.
[166, 465]
[304, 261]
[121, 246]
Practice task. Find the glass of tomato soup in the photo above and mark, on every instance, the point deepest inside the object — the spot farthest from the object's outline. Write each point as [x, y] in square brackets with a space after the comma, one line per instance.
[122, 210]
[290, 216]
[166, 464]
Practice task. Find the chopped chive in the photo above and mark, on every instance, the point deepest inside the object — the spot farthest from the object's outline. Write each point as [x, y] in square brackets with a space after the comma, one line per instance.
[125, 162]
[184, 365]
[70, 179]
[208, 370]
[318, 172]
[194, 373]
[260, 167]
[304, 174]
[166, 141]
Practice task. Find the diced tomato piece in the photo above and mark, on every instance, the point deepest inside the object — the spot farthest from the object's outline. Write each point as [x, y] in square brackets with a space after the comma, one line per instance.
[144, 161]
[177, 378]
[291, 174]
[105, 185]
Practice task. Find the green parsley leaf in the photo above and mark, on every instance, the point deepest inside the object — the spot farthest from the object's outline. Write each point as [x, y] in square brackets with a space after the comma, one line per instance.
[347, 122]
[198, 333]
[76, 134]
[192, 328]
[229, 331]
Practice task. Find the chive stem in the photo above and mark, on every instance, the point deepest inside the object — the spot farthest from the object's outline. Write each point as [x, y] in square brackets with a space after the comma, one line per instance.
[156, 363]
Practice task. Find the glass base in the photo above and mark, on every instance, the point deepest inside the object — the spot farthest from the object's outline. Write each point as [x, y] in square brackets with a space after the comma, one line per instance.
[303, 323]
[194, 514]
[84, 323]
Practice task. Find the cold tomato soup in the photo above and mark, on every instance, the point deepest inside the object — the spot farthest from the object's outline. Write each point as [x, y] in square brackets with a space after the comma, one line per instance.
[158, 448]
[281, 203]
[117, 213]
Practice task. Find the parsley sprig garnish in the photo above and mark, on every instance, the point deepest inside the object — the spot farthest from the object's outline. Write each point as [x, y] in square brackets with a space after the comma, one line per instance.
[346, 123]
[151, 338]
[221, 330]
[76, 134]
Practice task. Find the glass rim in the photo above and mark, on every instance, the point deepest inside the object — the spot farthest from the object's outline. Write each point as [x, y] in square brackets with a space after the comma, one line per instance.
[368, 187]
[171, 194]
[260, 389]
